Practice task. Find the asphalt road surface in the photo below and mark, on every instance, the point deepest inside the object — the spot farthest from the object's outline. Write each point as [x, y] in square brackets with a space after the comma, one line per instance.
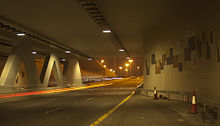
[84, 107]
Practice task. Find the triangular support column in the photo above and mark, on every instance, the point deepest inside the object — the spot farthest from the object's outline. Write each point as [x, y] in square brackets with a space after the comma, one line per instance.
[51, 63]
[72, 72]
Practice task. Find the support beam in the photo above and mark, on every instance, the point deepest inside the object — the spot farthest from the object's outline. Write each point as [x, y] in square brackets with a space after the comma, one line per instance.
[30, 67]
[11, 68]
[72, 72]
[51, 62]
[18, 54]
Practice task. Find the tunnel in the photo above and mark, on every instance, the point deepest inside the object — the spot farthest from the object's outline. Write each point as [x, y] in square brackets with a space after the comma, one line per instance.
[109, 62]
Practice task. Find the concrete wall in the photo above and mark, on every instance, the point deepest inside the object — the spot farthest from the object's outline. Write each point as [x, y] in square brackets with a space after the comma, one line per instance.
[200, 73]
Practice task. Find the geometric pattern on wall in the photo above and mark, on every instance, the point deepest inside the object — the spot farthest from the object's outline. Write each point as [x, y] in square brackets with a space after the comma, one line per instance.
[194, 44]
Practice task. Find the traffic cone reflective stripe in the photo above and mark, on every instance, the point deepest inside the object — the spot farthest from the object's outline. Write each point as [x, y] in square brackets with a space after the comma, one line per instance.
[194, 108]
[155, 93]
[193, 99]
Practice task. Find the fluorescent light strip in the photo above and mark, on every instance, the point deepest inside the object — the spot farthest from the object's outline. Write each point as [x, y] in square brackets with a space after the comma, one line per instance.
[121, 50]
[67, 51]
[20, 34]
[34, 52]
[106, 31]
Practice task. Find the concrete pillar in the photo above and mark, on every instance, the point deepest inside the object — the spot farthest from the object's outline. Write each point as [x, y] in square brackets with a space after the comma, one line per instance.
[72, 72]
[30, 67]
[51, 62]
[18, 54]
[11, 68]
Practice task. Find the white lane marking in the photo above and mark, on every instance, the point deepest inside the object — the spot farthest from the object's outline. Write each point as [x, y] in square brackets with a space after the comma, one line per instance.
[141, 117]
[52, 99]
[53, 110]
[89, 99]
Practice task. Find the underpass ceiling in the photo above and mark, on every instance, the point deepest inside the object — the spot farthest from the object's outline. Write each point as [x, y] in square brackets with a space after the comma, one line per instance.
[66, 21]
[129, 18]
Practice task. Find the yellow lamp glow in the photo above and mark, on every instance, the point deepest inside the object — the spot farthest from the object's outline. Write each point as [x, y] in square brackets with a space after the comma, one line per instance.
[102, 61]
[130, 60]
[126, 64]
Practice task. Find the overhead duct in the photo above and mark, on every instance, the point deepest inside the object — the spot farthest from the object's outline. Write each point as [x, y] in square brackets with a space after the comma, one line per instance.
[90, 8]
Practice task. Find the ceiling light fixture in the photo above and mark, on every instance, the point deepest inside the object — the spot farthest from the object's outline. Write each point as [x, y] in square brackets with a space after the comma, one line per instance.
[67, 51]
[121, 50]
[20, 34]
[63, 60]
[89, 58]
[106, 31]
[34, 52]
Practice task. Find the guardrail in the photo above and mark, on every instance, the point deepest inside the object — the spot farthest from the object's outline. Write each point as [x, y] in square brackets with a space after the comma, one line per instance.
[97, 79]
[186, 95]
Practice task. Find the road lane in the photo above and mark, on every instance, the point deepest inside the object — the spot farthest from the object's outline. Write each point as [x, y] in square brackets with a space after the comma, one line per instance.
[79, 108]
[84, 107]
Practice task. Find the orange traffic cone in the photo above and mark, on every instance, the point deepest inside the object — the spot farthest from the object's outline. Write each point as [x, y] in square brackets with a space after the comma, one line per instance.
[155, 93]
[194, 108]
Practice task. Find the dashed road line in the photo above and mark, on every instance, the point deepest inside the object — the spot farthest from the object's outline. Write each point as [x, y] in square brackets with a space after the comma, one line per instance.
[89, 99]
[53, 110]
[51, 99]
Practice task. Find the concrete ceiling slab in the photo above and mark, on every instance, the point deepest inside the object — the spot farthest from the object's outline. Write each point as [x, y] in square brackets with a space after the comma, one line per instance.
[65, 21]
